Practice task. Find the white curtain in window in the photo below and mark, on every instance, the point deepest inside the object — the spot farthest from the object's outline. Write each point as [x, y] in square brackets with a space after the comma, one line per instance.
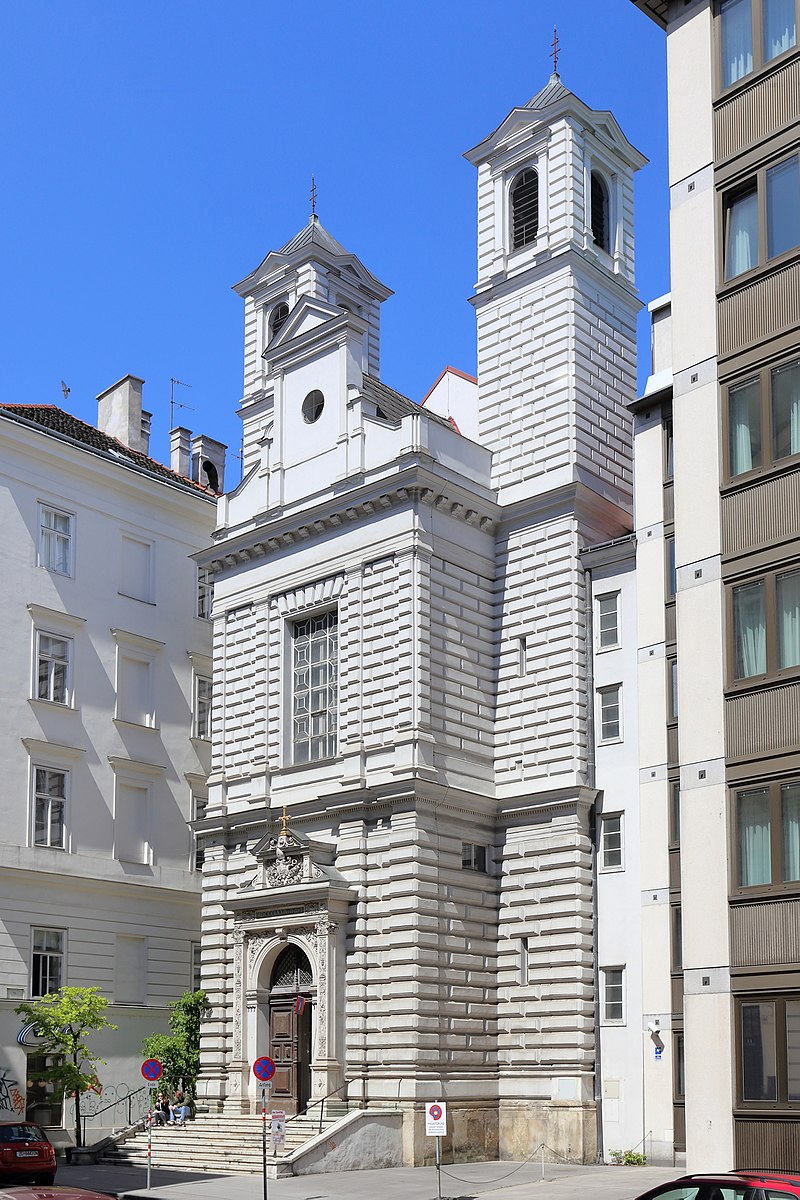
[788, 602]
[786, 411]
[749, 630]
[737, 40]
[780, 29]
[790, 831]
[755, 859]
[745, 427]
[742, 250]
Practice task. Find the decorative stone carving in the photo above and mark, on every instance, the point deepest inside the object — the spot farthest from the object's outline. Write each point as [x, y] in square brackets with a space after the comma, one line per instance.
[238, 955]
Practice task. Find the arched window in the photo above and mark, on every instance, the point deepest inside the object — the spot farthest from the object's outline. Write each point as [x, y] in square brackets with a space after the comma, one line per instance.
[277, 319]
[601, 224]
[292, 970]
[524, 208]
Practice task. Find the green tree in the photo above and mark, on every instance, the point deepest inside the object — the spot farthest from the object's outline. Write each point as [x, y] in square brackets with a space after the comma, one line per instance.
[179, 1051]
[63, 1019]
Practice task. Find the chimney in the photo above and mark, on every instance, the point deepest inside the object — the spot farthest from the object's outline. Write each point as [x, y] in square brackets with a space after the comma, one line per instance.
[119, 413]
[180, 451]
[208, 462]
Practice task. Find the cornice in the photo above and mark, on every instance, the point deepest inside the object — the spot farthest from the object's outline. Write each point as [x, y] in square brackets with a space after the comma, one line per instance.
[415, 484]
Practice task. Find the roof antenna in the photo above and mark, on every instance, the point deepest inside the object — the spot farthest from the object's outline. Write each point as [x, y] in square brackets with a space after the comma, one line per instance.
[173, 403]
[313, 199]
[556, 48]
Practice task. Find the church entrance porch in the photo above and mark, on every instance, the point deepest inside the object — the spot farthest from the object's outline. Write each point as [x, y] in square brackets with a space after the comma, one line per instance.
[290, 1007]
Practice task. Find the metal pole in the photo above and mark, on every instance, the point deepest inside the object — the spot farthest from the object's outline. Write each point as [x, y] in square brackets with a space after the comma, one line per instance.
[264, 1135]
[149, 1133]
[438, 1168]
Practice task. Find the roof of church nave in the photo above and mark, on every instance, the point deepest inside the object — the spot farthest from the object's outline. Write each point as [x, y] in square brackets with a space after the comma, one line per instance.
[54, 420]
[393, 405]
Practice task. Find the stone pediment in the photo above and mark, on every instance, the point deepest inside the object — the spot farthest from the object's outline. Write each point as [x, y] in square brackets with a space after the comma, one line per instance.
[288, 858]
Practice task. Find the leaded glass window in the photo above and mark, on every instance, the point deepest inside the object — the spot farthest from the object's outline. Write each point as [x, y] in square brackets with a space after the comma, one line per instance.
[315, 669]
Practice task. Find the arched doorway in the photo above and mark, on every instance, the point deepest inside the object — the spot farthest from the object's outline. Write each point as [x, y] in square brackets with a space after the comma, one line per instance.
[290, 992]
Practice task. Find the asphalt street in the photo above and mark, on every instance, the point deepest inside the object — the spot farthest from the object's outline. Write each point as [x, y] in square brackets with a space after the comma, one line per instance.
[461, 1181]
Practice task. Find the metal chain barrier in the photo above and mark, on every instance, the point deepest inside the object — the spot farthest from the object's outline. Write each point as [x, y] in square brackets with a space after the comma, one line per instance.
[499, 1178]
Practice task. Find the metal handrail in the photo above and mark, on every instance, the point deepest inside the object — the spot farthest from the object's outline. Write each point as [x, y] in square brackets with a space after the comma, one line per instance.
[122, 1100]
[320, 1102]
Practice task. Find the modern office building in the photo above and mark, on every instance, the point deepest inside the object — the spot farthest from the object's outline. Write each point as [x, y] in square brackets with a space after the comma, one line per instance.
[717, 521]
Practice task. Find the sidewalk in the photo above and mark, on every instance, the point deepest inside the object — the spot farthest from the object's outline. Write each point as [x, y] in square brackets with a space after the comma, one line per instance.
[461, 1181]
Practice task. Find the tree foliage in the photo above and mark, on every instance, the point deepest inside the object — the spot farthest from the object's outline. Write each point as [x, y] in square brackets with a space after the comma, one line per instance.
[63, 1019]
[179, 1051]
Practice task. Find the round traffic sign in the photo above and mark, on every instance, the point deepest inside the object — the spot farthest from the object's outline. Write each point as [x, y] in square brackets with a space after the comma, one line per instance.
[264, 1069]
[435, 1112]
[152, 1069]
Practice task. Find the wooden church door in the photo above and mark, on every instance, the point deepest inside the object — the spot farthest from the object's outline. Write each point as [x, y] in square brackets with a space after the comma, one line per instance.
[290, 1030]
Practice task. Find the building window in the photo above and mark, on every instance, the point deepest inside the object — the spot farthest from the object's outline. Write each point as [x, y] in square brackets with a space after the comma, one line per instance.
[53, 662]
[745, 44]
[313, 406]
[137, 569]
[675, 813]
[524, 961]
[524, 208]
[669, 451]
[751, 239]
[611, 842]
[767, 832]
[677, 938]
[473, 857]
[130, 969]
[524, 656]
[613, 995]
[135, 691]
[199, 805]
[768, 1051]
[608, 621]
[315, 672]
[679, 1078]
[672, 573]
[766, 626]
[205, 592]
[202, 707]
[49, 807]
[601, 217]
[55, 540]
[47, 961]
[764, 433]
[132, 822]
[197, 967]
[611, 713]
[672, 676]
[278, 318]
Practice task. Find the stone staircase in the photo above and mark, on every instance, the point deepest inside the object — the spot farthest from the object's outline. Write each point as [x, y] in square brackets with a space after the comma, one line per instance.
[222, 1143]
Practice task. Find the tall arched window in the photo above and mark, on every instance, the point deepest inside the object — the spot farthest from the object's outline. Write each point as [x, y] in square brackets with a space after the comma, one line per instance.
[601, 224]
[277, 318]
[524, 208]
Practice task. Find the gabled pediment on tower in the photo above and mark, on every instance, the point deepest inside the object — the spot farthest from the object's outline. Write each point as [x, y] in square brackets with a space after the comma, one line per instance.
[307, 315]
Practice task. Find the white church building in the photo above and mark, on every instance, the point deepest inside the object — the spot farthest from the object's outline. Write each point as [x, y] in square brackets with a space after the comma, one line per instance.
[419, 779]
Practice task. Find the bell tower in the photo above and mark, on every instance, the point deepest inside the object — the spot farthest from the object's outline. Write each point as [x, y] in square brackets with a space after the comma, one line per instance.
[555, 297]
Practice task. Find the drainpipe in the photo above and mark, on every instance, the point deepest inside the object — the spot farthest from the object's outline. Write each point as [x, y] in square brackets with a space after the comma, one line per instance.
[591, 772]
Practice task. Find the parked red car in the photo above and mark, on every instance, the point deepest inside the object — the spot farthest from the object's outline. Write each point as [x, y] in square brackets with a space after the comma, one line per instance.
[26, 1154]
[738, 1185]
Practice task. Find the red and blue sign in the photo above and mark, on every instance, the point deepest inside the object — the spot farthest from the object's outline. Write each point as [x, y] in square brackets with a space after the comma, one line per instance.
[435, 1112]
[152, 1069]
[264, 1069]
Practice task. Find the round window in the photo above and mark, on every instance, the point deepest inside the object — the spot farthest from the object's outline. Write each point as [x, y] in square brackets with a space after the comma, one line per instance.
[313, 406]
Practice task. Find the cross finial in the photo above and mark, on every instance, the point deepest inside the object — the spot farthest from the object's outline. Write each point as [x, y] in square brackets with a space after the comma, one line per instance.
[556, 48]
[313, 197]
[285, 822]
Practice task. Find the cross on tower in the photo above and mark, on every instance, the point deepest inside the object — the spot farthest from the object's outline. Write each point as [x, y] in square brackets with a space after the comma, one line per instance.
[556, 48]
[313, 197]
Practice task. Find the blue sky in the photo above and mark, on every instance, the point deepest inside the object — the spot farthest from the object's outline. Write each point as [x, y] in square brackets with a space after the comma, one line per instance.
[156, 150]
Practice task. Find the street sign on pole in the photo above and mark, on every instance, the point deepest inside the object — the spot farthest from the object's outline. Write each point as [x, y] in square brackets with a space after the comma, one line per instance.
[264, 1069]
[152, 1069]
[436, 1127]
[278, 1126]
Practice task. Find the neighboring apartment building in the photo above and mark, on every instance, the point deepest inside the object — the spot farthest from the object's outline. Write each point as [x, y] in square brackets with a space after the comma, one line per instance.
[725, 429]
[106, 647]
[404, 794]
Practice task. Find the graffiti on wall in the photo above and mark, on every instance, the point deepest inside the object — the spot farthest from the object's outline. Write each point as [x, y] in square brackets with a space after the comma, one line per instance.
[11, 1098]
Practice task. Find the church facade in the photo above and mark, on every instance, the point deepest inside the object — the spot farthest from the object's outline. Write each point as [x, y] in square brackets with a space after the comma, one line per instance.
[399, 879]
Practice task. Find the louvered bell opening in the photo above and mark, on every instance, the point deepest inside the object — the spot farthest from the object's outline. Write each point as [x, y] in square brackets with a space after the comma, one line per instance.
[600, 212]
[525, 208]
[278, 319]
